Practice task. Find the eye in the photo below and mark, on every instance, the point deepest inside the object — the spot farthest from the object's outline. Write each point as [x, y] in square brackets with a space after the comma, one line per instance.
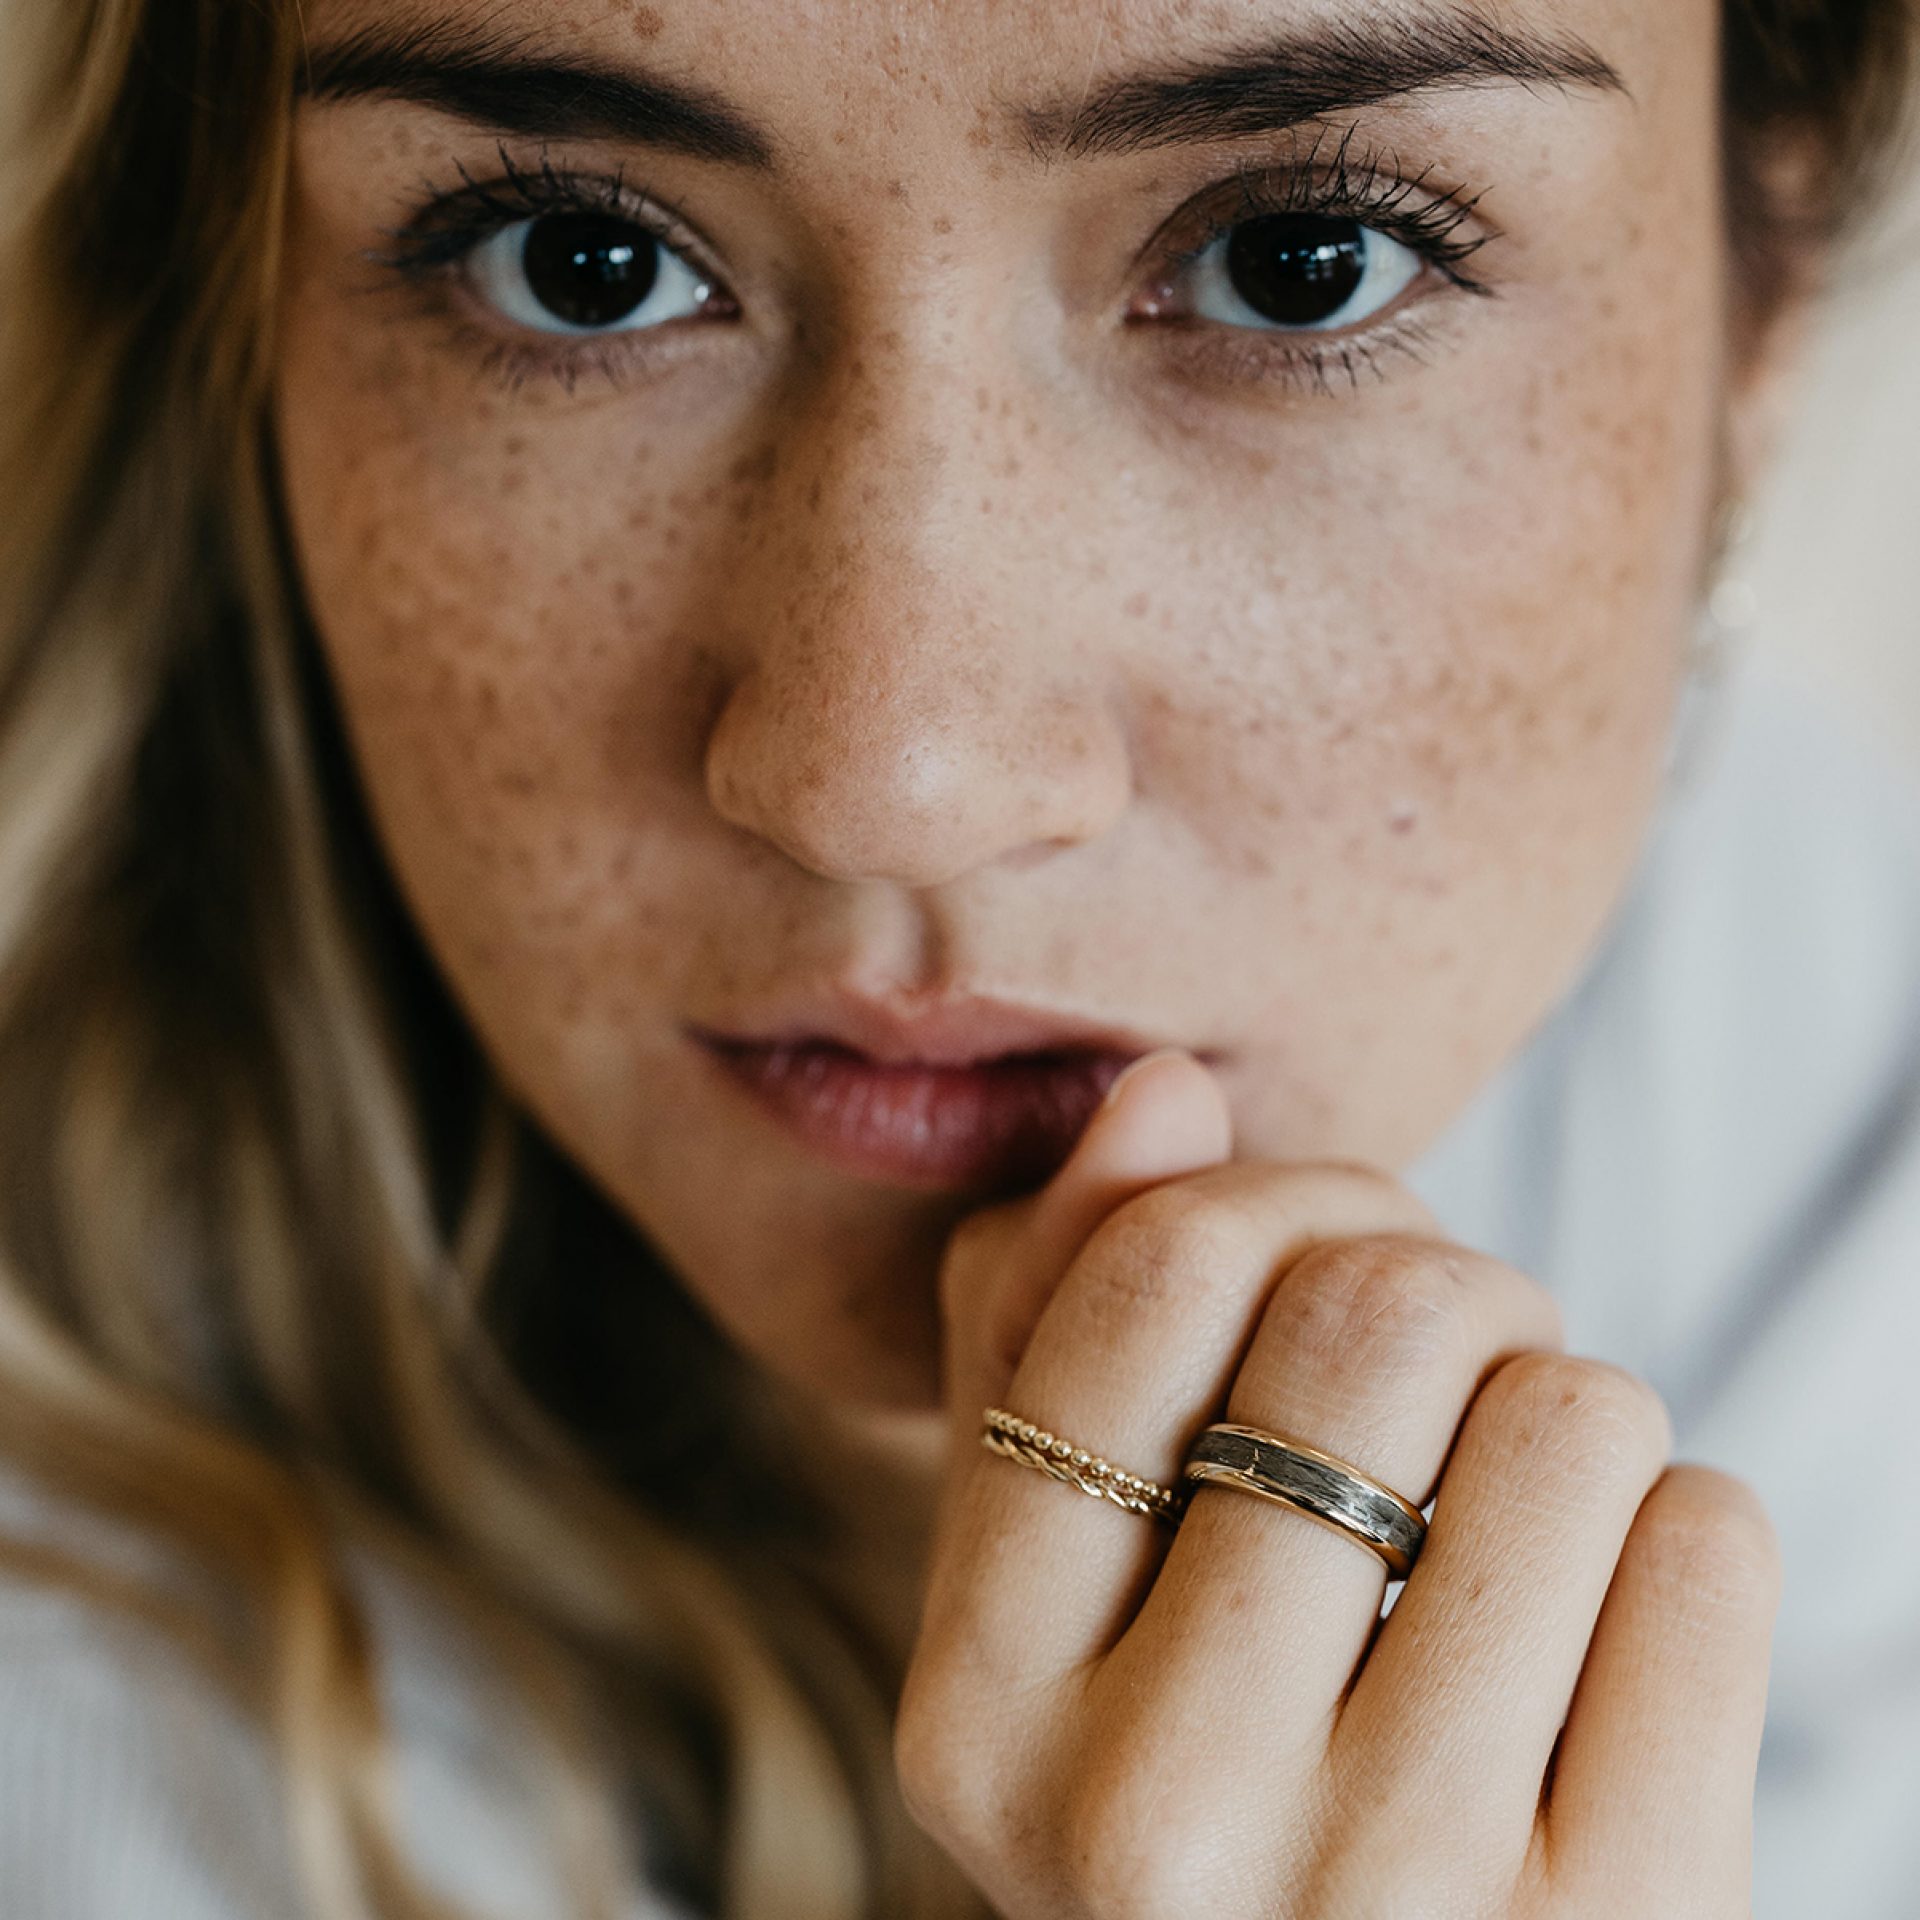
[1298, 272]
[584, 272]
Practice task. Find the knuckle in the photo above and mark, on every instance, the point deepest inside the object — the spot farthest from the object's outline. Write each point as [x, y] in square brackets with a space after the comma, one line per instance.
[1368, 1178]
[1378, 1303]
[1587, 1412]
[942, 1788]
[1706, 1542]
[1166, 1243]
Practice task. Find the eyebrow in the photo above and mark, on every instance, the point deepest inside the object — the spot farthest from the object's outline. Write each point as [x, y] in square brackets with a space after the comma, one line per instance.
[1323, 67]
[499, 78]
[493, 77]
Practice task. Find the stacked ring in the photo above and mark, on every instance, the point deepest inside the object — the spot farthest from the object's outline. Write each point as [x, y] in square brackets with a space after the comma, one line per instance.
[1006, 1433]
[1227, 1454]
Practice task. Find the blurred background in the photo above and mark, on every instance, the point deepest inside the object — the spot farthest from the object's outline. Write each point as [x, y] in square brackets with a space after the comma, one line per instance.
[1834, 560]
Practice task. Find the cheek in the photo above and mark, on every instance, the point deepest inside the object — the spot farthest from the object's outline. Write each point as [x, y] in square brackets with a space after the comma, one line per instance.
[1439, 636]
[504, 614]
[1414, 671]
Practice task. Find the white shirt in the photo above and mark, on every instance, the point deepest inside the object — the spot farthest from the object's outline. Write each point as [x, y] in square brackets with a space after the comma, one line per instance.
[1710, 1151]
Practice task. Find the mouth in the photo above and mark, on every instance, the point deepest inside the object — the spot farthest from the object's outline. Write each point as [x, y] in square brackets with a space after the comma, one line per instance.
[995, 1123]
[946, 1091]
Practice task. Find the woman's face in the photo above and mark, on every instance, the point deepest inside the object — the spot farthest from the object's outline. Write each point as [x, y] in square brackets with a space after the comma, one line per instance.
[843, 520]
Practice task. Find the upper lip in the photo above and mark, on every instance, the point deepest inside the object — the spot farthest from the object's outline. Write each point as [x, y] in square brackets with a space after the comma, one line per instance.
[949, 1030]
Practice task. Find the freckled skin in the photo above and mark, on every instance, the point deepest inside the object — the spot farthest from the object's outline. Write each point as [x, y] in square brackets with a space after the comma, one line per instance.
[926, 621]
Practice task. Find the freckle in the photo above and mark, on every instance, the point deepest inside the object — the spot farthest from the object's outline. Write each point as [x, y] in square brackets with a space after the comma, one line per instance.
[941, 224]
[640, 516]
[647, 24]
[756, 466]
[896, 189]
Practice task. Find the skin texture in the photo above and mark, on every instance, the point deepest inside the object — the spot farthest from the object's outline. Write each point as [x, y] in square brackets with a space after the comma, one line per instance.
[962, 610]
[1560, 1716]
[929, 624]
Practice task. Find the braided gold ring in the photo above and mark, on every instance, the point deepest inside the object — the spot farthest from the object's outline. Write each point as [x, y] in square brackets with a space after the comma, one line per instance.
[1006, 1433]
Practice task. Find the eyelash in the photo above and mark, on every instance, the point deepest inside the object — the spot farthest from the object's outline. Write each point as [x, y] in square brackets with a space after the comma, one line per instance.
[429, 248]
[1370, 190]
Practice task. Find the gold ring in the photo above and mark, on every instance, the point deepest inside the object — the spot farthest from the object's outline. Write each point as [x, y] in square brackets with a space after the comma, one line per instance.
[1006, 1433]
[1296, 1475]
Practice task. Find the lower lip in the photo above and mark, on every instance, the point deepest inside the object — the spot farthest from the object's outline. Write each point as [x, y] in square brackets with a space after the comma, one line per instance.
[1007, 1122]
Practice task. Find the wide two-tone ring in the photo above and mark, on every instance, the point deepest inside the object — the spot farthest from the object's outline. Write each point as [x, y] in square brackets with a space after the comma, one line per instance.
[1277, 1467]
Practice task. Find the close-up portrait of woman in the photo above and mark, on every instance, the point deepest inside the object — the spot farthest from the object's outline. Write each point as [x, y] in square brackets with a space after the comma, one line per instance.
[914, 1004]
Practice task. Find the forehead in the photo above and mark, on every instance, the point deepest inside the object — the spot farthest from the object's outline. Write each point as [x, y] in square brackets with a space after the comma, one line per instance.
[757, 87]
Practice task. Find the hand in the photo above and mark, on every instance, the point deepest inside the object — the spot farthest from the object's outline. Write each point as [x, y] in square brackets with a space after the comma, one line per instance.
[1105, 1717]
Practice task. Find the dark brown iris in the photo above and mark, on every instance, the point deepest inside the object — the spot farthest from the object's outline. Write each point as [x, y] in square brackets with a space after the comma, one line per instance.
[1296, 269]
[587, 268]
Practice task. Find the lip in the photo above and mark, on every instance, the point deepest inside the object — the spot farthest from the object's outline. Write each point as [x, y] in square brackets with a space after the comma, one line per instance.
[965, 1091]
[953, 1030]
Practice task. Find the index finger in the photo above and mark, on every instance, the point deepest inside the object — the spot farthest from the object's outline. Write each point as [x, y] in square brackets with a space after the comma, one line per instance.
[1138, 1345]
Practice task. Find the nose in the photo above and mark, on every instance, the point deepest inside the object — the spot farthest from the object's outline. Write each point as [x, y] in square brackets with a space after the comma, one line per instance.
[918, 688]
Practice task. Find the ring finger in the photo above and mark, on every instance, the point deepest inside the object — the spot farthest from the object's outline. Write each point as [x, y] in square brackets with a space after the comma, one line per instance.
[1370, 1349]
[1132, 1353]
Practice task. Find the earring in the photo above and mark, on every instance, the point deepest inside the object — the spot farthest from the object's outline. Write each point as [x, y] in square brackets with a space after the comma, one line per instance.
[1721, 622]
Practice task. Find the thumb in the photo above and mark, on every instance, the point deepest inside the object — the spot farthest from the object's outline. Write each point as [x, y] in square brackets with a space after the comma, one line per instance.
[1164, 1116]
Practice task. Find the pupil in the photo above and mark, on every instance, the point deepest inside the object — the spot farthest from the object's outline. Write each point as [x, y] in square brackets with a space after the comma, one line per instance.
[1297, 269]
[588, 268]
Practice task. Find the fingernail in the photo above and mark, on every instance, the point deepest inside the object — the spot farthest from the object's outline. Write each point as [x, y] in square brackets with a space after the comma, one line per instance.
[1132, 1067]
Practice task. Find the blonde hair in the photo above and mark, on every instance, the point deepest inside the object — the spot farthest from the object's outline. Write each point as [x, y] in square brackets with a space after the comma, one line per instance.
[272, 1237]
[269, 1223]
